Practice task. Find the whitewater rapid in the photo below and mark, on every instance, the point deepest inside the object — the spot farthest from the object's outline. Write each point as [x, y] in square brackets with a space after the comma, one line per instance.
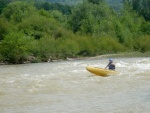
[66, 87]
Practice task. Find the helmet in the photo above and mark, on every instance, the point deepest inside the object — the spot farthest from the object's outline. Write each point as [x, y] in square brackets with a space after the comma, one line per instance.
[110, 60]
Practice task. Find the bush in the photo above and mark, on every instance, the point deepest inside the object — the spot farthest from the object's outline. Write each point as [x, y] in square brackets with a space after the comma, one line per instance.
[45, 48]
[15, 47]
[4, 28]
[109, 45]
[142, 44]
[68, 48]
[86, 46]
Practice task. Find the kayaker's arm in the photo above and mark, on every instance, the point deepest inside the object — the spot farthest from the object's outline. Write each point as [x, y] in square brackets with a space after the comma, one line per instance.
[107, 65]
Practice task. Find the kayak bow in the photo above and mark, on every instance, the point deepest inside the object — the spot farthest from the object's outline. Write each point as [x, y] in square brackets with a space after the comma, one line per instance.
[100, 71]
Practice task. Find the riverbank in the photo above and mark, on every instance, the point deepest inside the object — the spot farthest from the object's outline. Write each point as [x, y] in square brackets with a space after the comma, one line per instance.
[120, 55]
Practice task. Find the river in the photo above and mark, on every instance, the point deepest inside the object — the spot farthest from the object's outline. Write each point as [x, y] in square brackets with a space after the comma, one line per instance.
[66, 87]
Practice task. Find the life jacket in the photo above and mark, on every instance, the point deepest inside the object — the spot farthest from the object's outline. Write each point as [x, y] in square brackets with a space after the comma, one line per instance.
[111, 66]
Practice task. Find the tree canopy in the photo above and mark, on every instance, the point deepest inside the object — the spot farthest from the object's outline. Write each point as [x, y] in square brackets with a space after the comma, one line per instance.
[38, 32]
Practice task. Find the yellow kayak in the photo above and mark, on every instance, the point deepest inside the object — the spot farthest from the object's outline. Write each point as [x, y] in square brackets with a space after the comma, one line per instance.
[100, 71]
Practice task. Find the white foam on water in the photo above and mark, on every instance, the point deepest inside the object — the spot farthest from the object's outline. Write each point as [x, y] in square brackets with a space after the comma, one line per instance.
[66, 87]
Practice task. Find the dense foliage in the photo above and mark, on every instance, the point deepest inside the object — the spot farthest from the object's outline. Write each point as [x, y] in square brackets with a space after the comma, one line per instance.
[38, 31]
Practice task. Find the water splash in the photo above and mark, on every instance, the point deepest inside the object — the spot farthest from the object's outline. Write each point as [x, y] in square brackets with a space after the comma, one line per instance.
[67, 87]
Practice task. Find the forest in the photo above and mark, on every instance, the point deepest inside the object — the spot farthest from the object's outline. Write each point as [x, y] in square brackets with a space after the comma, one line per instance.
[41, 30]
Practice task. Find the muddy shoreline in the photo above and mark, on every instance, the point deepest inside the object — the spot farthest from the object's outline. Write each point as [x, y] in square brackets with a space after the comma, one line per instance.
[117, 55]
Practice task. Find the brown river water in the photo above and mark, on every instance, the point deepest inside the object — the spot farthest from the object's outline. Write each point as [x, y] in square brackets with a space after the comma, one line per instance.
[66, 87]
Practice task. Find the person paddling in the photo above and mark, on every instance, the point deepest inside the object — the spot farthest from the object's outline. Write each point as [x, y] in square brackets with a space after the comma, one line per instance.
[110, 65]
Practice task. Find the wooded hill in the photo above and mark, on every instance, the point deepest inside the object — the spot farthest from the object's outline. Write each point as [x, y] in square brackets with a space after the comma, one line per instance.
[38, 31]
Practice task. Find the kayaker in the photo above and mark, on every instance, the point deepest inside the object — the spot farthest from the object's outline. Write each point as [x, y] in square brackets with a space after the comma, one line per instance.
[110, 64]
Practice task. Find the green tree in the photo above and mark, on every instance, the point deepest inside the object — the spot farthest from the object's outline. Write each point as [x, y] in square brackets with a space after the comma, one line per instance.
[3, 4]
[58, 16]
[145, 28]
[142, 44]
[88, 18]
[65, 9]
[86, 46]
[127, 4]
[41, 27]
[67, 48]
[95, 1]
[17, 11]
[128, 26]
[4, 28]
[131, 26]
[15, 47]
[142, 7]
[45, 48]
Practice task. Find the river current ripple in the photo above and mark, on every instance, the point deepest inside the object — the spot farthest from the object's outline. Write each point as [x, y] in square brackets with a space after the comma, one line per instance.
[66, 87]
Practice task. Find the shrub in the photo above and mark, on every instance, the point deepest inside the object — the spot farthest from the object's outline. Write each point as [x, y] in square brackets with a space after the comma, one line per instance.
[143, 43]
[108, 45]
[68, 48]
[15, 47]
